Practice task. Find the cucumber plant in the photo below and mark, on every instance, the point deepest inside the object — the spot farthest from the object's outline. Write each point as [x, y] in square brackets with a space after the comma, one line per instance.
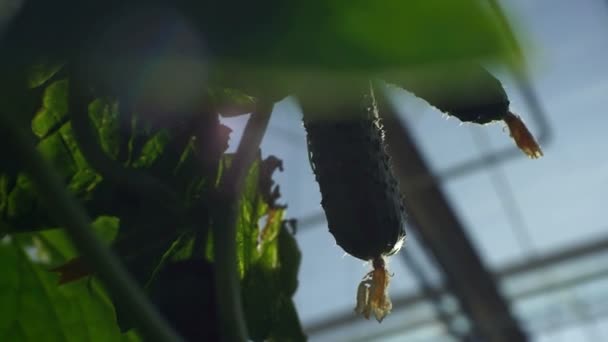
[110, 115]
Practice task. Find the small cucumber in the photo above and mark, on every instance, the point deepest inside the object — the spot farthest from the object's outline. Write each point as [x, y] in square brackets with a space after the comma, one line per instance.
[470, 93]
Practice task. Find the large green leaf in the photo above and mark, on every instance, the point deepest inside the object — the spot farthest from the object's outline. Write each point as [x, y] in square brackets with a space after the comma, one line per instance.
[361, 35]
[34, 308]
[332, 43]
[336, 34]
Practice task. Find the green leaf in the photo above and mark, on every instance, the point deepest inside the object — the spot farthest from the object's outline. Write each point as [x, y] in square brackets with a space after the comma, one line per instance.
[57, 241]
[268, 287]
[152, 150]
[54, 109]
[34, 308]
[268, 260]
[68, 138]
[352, 35]
[55, 148]
[289, 258]
[131, 336]
[408, 33]
[260, 301]
[268, 248]
[21, 198]
[333, 43]
[231, 102]
[4, 192]
[247, 222]
[287, 327]
[104, 115]
[41, 72]
[22, 210]
[180, 250]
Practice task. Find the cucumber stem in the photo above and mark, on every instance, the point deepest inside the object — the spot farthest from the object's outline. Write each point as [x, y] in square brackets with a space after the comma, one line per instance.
[522, 136]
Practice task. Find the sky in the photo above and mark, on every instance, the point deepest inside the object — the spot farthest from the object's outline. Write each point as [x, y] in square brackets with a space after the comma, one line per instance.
[560, 199]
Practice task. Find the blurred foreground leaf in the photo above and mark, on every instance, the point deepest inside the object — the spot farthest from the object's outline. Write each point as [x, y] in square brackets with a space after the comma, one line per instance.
[34, 308]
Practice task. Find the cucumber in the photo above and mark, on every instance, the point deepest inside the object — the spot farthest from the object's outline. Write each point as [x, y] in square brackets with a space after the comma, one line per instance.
[360, 195]
[470, 93]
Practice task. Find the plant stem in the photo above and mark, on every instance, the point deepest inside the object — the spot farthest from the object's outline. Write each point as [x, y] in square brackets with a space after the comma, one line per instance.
[227, 284]
[69, 212]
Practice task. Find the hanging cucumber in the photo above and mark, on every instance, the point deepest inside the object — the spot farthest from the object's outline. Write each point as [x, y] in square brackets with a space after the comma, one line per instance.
[360, 195]
[470, 93]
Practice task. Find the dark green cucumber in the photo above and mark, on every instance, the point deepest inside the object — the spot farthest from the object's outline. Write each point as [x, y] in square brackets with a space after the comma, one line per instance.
[468, 92]
[360, 195]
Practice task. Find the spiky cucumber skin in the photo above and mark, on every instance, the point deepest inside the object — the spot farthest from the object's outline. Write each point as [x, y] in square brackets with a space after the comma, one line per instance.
[360, 195]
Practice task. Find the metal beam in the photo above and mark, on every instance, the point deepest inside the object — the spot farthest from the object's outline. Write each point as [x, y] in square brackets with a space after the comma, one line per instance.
[570, 254]
[544, 325]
